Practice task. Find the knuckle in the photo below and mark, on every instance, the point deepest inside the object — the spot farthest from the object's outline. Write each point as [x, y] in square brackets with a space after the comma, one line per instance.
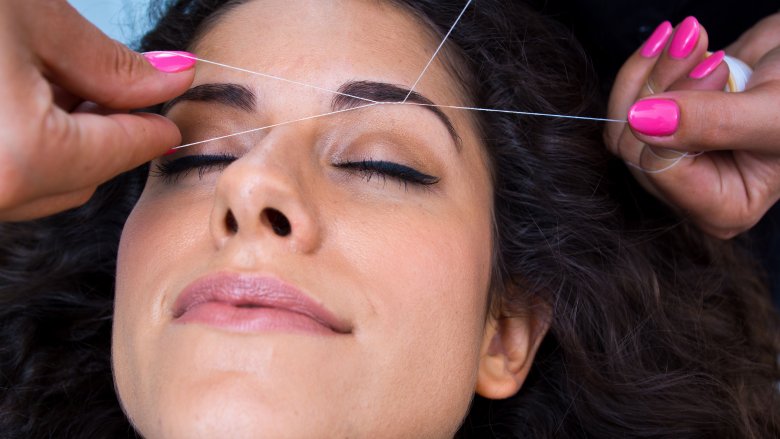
[712, 130]
[125, 67]
[59, 134]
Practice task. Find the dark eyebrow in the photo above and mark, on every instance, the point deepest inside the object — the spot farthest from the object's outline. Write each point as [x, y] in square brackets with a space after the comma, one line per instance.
[242, 97]
[232, 95]
[384, 92]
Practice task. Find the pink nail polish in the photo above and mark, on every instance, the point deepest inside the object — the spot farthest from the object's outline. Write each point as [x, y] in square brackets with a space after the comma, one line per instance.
[654, 117]
[171, 62]
[707, 66]
[657, 41]
[685, 38]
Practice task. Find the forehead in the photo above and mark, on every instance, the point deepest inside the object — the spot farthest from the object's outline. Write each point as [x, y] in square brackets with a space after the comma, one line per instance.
[328, 42]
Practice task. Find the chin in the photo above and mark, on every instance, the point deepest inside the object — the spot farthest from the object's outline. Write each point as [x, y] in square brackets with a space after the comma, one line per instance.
[226, 406]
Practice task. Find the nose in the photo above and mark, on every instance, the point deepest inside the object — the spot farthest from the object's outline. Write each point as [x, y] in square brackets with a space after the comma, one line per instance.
[258, 198]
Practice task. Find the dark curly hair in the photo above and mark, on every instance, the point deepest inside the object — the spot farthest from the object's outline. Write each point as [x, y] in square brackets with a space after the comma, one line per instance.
[657, 330]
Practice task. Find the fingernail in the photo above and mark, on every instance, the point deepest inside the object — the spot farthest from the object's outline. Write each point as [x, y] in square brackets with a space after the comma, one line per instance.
[685, 38]
[707, 66]
[657, 41]
[170, 152]
[654, 117]
[171, 62]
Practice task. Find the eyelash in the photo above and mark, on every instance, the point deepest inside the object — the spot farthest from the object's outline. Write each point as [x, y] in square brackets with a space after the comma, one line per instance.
[394, 171]
[171, 171]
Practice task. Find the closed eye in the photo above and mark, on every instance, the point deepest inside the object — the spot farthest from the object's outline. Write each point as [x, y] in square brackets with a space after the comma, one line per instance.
[384, 169]
[171, 171]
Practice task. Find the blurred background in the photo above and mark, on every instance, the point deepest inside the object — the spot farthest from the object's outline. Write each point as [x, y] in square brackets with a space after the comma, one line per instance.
[123, 20]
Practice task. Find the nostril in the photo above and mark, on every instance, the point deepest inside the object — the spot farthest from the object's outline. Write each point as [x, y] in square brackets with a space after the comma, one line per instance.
[230, 222]
[279, 223]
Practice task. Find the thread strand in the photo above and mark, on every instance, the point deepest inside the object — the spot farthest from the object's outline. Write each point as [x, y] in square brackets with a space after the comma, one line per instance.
[436, 53]
[254, 130]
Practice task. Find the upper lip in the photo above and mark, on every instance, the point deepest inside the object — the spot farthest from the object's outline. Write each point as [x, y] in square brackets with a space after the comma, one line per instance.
[261, 291]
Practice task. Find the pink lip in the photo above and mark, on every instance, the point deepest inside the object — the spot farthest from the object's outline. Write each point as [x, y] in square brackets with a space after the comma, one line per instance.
[247, 303]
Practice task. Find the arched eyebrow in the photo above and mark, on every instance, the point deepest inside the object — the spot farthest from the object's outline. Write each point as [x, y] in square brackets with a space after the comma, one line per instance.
[242, 97]
[352, 91]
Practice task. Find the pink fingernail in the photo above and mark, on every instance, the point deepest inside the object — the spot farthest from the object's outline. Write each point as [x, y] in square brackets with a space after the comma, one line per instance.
[657, 41]
[171, 62]
[707, 66]
[685, 38]
[654, 117]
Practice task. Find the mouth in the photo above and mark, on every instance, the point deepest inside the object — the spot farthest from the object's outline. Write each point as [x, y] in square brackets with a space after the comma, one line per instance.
[247, 303]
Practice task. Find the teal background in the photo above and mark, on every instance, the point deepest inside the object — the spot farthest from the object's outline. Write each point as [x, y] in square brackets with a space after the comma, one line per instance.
[123, 20]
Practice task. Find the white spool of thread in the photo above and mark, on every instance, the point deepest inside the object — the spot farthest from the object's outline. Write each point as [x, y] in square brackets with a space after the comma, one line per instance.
[739, 74]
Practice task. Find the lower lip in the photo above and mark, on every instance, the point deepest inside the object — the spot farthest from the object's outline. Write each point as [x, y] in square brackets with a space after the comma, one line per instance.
[226, 316]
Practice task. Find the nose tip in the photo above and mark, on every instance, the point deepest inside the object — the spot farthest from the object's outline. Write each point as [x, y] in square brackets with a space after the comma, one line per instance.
[262, 197]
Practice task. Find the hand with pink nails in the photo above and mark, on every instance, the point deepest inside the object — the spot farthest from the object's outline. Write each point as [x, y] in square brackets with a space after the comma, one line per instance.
[724, 147]
[66, 90]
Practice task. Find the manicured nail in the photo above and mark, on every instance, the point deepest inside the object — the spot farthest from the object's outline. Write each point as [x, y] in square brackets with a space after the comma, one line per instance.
[654, 117]
[708, 65]
[657, 41]
[170, 152]
[685, 38]
[171, 62]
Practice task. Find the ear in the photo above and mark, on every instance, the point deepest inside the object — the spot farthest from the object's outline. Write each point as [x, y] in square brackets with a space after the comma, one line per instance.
[508, 349]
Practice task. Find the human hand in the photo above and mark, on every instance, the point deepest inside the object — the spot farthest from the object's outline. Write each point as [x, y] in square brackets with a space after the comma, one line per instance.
[63, 88]
[728, 188]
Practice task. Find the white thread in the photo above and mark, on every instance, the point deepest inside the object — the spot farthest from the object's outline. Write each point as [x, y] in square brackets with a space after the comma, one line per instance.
[524, 113]
[649, 87]
[430, 61]
[278, 78]
[658, 171]
[679, 153]
[272, 126]
[454, 107]
[372, 102]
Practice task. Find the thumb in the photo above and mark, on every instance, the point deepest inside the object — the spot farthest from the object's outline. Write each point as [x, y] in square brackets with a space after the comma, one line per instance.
[96, 68]
[697, 120]
[710, 120]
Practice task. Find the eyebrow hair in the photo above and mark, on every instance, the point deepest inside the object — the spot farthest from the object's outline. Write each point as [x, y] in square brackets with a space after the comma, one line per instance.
[243, 98]
[233, 95]
[383, 92]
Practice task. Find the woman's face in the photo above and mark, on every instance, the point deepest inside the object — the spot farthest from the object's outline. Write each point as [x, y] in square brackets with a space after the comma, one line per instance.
[306, 290]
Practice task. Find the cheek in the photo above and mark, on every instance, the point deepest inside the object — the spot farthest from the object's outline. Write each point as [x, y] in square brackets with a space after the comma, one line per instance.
[154, 244]
[159, 238]
[426, 279]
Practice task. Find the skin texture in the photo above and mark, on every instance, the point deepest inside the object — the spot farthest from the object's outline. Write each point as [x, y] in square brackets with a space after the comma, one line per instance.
[726, 190]
[66, 89]
[407, 267]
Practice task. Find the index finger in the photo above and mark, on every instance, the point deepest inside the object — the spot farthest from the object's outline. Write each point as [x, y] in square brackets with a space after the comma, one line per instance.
[92, 66]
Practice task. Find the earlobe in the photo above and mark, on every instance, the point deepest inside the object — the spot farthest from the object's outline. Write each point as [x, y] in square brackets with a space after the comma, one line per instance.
[508, 350]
